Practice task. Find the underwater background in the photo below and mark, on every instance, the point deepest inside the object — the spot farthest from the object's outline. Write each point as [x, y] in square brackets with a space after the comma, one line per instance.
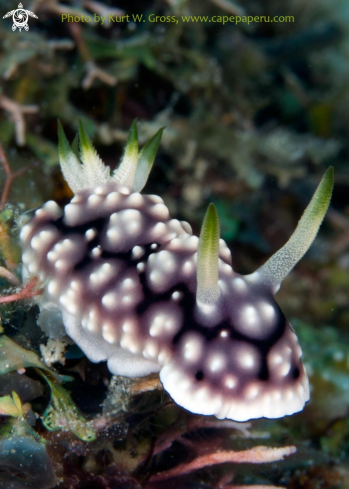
[254, 114]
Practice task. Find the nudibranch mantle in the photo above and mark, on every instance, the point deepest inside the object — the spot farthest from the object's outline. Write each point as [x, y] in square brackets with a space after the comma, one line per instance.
[138, 290]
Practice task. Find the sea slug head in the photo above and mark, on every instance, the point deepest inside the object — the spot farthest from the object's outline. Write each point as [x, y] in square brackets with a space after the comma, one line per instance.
[235, 355]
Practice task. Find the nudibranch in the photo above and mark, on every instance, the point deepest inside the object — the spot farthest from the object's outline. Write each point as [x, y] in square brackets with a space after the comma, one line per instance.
[138, 290]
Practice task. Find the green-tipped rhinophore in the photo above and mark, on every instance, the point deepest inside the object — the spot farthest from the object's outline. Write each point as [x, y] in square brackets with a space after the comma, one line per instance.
[70, 164]
[208, 258]
[95, 172]
[282, 262]
[146, 159]
[75, 146]
[126, 172]
[133, 170]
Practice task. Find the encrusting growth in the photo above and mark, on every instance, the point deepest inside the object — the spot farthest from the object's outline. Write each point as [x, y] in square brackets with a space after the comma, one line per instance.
[138, 290]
